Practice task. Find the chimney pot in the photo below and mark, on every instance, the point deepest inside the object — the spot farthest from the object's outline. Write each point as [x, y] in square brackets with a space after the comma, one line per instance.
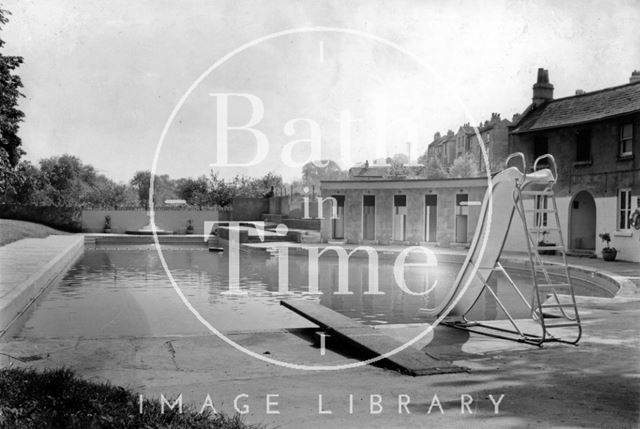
[635, 76]
[542, 89]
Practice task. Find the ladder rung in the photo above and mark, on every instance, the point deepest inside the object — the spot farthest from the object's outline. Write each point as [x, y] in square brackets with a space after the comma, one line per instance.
[540, 210]
[544, 228]
[549, 247]
[560, 325]
[556, 305]
[536, 193]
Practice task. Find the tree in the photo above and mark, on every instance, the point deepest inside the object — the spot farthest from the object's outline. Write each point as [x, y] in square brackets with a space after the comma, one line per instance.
[464, 166]
[10, 115]
[104, 192]
[398, 158]
[312, 174]
[221, 192]
[195, 192]
[397, 163]
[163, 188]
[62, 179]
[8, 177]
[435, 170]
[25, 186]
[270, 180]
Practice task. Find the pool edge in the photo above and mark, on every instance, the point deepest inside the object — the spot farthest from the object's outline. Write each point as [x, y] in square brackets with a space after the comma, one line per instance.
[18, 301]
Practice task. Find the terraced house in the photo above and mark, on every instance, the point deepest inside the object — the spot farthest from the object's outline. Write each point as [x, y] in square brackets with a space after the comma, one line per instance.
[495, 136]
[594, 139]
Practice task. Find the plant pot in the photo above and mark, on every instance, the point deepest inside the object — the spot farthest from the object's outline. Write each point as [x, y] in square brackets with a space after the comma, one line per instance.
[609, 254]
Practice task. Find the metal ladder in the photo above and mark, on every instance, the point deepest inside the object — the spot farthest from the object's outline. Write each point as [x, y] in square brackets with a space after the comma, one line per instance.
[546, 282]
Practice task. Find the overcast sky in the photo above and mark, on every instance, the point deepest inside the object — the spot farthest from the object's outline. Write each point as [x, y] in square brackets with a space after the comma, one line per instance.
[101, 78]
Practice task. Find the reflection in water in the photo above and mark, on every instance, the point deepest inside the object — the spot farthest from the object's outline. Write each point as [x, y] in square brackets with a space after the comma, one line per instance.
[125, 291]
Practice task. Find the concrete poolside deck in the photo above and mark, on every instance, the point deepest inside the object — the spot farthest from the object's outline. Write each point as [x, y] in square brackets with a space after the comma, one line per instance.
[28, 267]
[596, 384]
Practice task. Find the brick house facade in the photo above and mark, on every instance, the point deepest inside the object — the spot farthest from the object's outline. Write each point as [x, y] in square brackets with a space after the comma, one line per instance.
[494, 133]
[594, 137]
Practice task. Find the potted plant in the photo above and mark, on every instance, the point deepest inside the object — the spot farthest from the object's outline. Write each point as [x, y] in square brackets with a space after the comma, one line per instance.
[545, 243]
[107, 224]
[189, 229]
[608, 253]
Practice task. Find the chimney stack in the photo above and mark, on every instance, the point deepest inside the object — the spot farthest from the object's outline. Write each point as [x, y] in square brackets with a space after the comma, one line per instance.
[542, 89]
[580, 92]
[635, 76]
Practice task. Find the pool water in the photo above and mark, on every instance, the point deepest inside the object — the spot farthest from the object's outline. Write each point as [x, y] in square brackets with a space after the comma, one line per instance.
[124, 291]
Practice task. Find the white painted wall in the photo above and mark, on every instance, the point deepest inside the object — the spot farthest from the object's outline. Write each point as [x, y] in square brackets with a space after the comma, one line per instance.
[170, 220]
[627, 243]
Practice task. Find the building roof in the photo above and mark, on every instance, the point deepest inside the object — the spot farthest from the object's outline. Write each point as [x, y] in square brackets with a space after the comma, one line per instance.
[403, 183]
[578, 109]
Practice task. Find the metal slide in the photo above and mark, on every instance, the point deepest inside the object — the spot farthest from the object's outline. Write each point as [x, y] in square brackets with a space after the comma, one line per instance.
[506, 197]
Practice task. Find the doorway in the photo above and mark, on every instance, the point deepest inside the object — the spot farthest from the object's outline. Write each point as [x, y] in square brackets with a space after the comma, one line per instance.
[462, 215]
[369, 217]
[582, 222]
[338, 224]
[400, 217]
[430, 217]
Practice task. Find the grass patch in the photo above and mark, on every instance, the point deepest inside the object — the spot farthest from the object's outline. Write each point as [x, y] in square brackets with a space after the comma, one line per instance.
[14, 230]
[59, 399]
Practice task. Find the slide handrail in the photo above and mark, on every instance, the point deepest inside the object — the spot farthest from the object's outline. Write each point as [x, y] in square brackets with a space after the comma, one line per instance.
[553, 162]
[517, 155]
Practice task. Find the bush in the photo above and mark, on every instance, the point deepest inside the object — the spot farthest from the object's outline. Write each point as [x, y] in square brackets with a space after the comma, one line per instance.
[56, 398]
[63, 218]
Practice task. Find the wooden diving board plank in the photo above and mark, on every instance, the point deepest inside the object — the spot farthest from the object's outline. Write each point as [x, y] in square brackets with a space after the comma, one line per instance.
[408, 360]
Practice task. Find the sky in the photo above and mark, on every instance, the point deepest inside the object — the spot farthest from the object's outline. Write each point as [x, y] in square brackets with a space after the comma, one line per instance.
[101, 79]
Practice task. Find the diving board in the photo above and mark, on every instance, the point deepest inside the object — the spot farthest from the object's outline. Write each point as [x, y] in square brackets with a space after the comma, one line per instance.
[408, 360]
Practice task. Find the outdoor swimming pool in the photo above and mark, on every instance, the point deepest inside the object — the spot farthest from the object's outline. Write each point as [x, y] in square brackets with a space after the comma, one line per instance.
[124, 291]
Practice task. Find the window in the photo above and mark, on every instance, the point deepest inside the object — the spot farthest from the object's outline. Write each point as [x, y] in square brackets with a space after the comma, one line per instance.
[583, 146]
[626, 139]
[467, 144]
[540, 147]
[624, 209]
[540, 217]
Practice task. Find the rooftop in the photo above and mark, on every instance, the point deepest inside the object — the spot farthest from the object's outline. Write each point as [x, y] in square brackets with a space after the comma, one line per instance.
[582, 108]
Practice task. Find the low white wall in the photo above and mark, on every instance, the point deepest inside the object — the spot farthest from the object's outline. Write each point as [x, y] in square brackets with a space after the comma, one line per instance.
[170, 220]
[627, 243]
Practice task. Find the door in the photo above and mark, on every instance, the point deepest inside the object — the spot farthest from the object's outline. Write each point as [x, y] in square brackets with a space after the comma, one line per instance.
[369, 217]
[430, 217]
[462, 214]
[338, 224]
[400, 217]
